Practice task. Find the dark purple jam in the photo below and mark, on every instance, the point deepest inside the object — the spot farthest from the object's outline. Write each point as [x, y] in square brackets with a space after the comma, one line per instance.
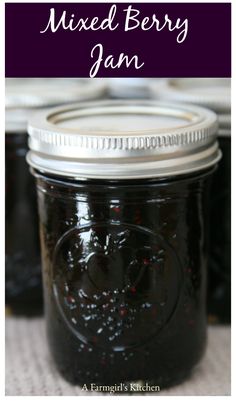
[219, 281]
[23, 267]
[124, 267]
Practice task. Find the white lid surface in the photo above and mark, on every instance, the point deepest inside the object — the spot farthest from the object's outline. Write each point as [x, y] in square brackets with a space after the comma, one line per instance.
[24, 96]
[214, 93]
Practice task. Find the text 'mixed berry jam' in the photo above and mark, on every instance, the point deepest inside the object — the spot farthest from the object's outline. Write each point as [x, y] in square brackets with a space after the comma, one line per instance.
[213, 93]
[23, 265]
[123, 203]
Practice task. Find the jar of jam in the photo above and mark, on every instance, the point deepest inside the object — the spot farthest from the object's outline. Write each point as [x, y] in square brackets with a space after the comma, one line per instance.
[123, 204]
[214, 94]
[23, 265]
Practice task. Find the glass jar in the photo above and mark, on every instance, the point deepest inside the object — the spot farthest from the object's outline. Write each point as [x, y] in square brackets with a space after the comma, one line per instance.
[213, 93]
[123, 202]
[23, 265]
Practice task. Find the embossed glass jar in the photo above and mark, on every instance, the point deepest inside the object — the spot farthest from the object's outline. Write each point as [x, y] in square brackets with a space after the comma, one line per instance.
[23, 265]
[213, 93]
[122, 193]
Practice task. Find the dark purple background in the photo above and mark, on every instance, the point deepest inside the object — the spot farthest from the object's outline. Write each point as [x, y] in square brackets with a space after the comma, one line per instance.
[206, 52]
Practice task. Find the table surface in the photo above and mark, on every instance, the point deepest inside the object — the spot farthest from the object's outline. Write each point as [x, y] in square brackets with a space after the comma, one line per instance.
[30, 370]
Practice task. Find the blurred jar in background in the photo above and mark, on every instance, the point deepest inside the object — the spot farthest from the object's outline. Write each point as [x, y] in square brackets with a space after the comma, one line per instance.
[23, 267]
[129, 88]
[219, 282]
[213, 93]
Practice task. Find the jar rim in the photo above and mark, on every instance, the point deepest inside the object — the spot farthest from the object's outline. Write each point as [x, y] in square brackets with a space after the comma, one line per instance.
[24, 96]
[214, 93]
[72, 140]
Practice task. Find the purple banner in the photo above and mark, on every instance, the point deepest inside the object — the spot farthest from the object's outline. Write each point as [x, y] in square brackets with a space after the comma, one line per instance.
[118, 40]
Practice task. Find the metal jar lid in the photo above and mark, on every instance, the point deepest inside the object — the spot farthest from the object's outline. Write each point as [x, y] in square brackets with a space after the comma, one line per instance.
[25, 95]
[213, 93]
[224, 125]
[123, 140]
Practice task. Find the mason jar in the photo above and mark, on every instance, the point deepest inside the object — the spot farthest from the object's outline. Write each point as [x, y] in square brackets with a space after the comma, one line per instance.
[213, 93]
[123, 203]
[23, 265]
